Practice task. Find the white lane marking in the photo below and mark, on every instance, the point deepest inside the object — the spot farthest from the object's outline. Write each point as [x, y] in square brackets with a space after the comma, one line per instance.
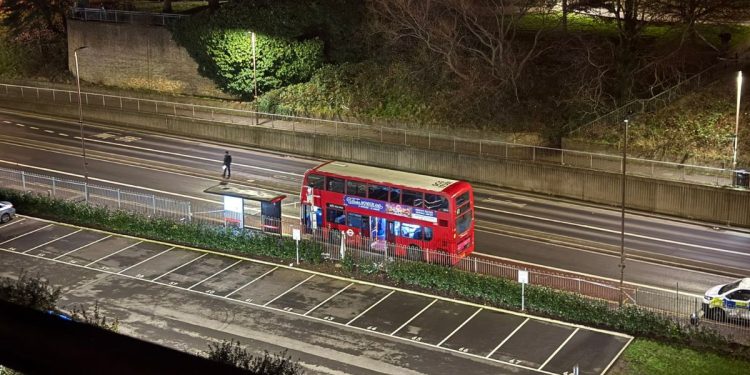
[33, 127]
[116, 252]
[25, 234]
[21, 125]
[328, 299]
[178, 267]
[63, 134]
[49, 131]
[7, 122]
[288, 290]
[252, 281]
[599, 277]
[584, 226]
[224, 269]
[413, 317]
[371, 306]
[51, 241]
[558, 348]
[507, 338]
[144, 261]
[81, 247]
[504, 202]
[309, 317]
[185, 156]
[459, 327]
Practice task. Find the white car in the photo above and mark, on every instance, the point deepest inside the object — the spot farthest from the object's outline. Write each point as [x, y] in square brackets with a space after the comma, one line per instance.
[7, 211]
[728, 301]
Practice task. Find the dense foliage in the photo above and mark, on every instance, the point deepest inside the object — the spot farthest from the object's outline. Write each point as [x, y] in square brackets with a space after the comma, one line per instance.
[32, 292]
[233, 354]
[291, 40]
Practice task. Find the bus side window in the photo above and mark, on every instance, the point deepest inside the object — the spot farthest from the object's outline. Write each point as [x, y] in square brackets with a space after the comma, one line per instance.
[412, 198]
[427, 233]
[356, 188]
[335, 185]
[395, 196]
[378, 192]
[436, 202]
[335, 216]
[316, 181]
[411, 231]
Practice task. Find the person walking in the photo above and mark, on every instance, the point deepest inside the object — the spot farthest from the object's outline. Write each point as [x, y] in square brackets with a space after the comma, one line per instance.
[227, 165]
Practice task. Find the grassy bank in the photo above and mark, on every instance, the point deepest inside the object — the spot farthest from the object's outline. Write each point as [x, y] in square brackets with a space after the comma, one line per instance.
[654, 358]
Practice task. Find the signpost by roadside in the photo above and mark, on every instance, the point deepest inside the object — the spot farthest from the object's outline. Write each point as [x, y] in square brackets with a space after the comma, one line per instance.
[523, 278]
[296, 235]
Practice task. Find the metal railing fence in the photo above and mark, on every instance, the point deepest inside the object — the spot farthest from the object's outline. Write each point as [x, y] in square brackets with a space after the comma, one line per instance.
[405, 137]
[122, 16]
[366, 251]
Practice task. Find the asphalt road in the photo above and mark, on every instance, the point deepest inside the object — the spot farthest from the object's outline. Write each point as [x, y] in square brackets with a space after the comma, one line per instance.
[662, 253]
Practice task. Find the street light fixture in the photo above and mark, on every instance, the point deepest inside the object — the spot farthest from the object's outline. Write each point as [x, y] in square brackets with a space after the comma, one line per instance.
[622, 213]
[736, 128]
[80, 120]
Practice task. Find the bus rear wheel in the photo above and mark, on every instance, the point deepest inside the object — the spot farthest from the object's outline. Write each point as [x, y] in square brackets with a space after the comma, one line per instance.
[414, 252]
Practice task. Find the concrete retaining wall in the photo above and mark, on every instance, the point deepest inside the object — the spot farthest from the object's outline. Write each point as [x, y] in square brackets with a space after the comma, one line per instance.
[719, 205]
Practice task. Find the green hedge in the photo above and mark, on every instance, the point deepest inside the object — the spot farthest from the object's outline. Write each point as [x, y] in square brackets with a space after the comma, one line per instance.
[231, 240]
[451, 282]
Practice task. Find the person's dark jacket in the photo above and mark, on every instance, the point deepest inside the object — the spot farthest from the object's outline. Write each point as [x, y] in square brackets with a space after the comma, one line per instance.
[227, 159]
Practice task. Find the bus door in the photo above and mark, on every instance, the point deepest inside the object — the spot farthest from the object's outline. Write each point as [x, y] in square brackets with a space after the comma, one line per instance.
[312, 217]
[391, 237]
[378, 232]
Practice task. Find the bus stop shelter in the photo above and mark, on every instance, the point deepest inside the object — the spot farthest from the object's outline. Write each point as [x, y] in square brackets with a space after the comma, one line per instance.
[234, 205]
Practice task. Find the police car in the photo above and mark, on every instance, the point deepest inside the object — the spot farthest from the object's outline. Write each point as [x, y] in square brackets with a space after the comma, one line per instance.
[728, 301]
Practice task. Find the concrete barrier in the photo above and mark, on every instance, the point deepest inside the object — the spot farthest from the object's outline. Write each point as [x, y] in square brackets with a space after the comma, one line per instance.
[713, 204]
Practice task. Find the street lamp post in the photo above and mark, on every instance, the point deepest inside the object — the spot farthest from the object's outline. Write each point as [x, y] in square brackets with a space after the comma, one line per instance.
[80, 120]
[255, 80]
[622, 213]
[736, 128]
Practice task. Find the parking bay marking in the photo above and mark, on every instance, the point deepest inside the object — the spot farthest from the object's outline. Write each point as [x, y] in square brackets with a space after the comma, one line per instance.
[116, 252]
[558, 348]
[414, 317]
[178, 267]
[25, 234]
[507, 338]
[289, 290]
[145, 260]
[250, 282]
[49, 242]
[225, 268]
[369, 308]
[81, 247]
[328, 299]
[461, 326]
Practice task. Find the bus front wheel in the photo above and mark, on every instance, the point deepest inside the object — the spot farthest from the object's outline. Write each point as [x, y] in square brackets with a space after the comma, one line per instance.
[414, 252]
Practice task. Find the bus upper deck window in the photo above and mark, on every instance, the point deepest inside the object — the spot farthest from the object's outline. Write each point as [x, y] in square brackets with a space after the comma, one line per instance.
[316, 181]
[412, 198]
[335, 185]
[378, 192]
[395, 195]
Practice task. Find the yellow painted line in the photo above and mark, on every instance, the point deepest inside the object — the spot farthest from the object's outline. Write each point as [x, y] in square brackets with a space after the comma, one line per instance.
[361, 282]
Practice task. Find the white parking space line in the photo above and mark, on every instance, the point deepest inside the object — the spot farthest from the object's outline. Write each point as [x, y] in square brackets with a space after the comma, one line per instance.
[25, 234]
[178, 267]
[371, 306]
[507, 338]
[145, 260]
[459, 327]
[79, 248]
[289, 290]
[252, 281]
[118, 251]
[413, 317]
[225, 268]
[49, 242]
[328, 299]
[558, 349]
[13, 222]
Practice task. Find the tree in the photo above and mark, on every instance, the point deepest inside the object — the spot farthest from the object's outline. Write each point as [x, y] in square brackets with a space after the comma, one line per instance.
[475, 39]
[233, 354]
[213, 5]
[33, 15]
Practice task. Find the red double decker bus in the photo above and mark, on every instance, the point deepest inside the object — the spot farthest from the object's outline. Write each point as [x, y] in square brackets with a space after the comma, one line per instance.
[420, 217]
